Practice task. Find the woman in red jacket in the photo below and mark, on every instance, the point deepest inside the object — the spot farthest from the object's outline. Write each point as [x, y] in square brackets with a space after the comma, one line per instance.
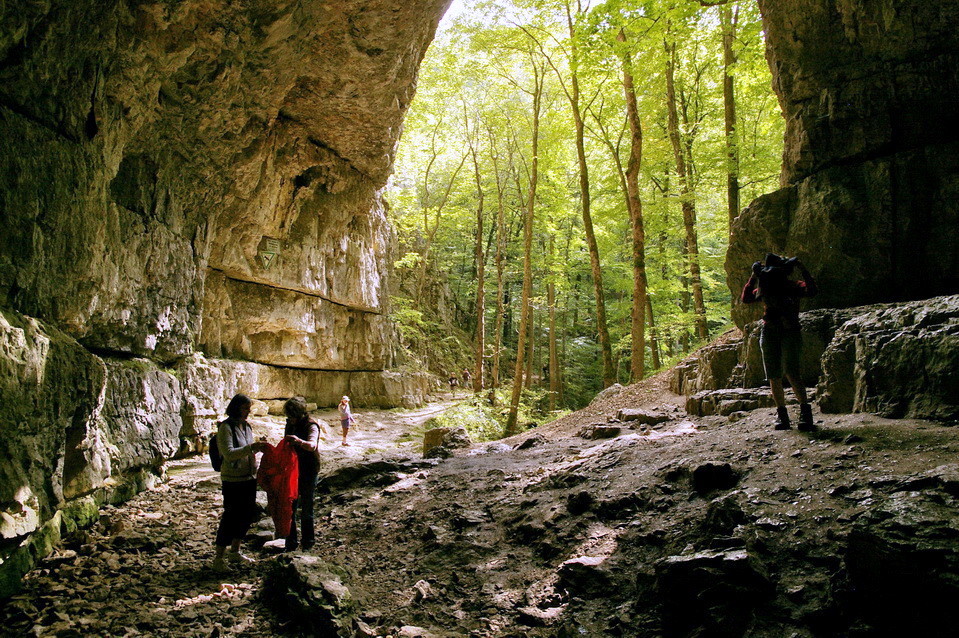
[304, 433]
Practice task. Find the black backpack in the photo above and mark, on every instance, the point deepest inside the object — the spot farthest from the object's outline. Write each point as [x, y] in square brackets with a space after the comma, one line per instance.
[774, 279]
[216, 459]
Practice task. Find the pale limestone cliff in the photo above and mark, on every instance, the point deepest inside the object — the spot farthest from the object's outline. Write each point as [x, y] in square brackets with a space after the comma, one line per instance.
[181, 179]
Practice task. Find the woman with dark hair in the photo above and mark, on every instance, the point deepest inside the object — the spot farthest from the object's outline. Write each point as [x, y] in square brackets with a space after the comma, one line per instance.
[234, 438]
[304, 433]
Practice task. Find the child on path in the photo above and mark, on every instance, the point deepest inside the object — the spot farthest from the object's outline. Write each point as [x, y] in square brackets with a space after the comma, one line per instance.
[346, 417]
[453, 383]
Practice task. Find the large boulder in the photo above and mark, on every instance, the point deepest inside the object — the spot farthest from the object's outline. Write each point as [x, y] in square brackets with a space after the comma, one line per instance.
[870, 175]
[76, 431]
[311, 595]
[903, 562]
[896, 361]
[737, 362]
[51, 389]
[710, 593]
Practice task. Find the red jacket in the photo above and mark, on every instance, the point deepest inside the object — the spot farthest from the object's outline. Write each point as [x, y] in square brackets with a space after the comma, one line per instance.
[278, 475]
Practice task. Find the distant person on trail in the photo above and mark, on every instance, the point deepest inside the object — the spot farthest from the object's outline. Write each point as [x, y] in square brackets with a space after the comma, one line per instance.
[304, 433]
[781, 339]
[453, 383]
[234, 438]
[346, 417]
[467, 379]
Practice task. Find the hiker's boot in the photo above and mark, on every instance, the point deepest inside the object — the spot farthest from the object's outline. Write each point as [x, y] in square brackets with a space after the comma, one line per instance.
[806, 423]
[782, 419]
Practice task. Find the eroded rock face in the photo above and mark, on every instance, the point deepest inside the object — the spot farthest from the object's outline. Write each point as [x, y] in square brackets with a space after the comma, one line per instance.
[871, 163]
[895, 360]
[181, 177]
[898, 361]
[169, 141]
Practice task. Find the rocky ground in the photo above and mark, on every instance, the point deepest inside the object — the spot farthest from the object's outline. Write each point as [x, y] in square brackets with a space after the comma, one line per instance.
[588, 526]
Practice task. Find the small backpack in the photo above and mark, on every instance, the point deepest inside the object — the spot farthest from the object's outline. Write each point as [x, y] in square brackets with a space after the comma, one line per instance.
[216, 459]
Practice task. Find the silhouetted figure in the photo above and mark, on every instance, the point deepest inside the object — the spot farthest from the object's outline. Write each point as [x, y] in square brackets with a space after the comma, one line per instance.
[781, 337]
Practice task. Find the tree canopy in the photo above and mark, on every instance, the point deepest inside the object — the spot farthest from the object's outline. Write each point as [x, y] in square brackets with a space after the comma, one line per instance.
[651, 120]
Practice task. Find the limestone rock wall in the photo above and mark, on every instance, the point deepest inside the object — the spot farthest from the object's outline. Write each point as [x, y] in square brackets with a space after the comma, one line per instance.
[150, 144]
[894, 360]
[870, 93]
[181, 177]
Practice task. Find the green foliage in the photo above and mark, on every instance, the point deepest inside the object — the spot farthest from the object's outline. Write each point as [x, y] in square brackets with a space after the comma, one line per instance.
[425, 343]
[474, 93]
[476, 415]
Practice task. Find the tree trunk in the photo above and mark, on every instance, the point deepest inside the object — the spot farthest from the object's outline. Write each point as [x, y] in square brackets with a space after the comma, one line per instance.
[728, 24]
[551, 302]
[530, 348]
[511, 425]
[480, 282]
[653, 338]
[500, 249]
[609, 373]
[635, 206]
[686, 193]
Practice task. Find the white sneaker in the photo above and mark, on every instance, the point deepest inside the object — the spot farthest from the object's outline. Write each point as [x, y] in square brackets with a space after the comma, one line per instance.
[219, 565]
[239, 559]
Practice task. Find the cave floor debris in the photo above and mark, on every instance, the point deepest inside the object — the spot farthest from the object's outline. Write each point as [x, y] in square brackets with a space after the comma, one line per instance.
[546, 533]
[144, 567]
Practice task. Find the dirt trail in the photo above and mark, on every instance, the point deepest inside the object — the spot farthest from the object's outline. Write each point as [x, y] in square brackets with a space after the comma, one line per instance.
[143, 569]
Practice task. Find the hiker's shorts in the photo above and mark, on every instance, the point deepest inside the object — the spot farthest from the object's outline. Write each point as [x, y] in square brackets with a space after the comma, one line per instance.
[781, 347]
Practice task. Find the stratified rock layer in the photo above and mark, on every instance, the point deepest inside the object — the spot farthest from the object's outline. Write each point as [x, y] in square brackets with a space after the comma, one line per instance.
[871, 163]
[894, 360]
[152, 147]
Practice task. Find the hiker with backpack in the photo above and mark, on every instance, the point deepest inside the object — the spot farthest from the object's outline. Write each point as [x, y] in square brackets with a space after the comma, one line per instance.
[780, 338]
[236, 450]
[304, 433]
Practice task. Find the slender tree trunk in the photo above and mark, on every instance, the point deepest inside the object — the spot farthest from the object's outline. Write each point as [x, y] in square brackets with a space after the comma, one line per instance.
[728, 24]
[528, 355]
[653, 338]
[686, 193]
[609, 371]
[635, 206]
[500, 249]
[551, 302]
[511, 425]
[480, 282]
